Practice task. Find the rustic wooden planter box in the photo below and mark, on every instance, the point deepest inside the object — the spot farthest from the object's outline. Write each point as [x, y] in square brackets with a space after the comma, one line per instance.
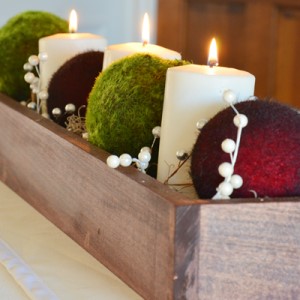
[161, 244]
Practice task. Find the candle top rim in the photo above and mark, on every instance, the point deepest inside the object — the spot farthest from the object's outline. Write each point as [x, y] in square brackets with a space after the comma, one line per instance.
[73, 35]
[210, 71]
[132, 45]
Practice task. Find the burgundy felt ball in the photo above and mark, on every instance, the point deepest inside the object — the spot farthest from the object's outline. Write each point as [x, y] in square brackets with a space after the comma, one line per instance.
[73, 81]
[269, 154]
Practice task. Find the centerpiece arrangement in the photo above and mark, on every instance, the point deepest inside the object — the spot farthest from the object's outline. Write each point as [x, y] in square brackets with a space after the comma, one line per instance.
[131, 88]
[197, 129]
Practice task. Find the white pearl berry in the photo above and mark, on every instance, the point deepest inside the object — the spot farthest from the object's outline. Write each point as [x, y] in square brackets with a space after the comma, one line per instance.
[27, 67]
[70, 108]
[33, 86]
[43, 56]
[56, 112]
[156, 131]
[146, 149]
[85, 136]
[125, 160]
[225, 189]
[181, 155]
[228, 145]
[32, 105]
[113, 161]
[33, 60]
[240, 120]
[229, 96]
[225, 169]
[236, 181]
[200, 124]
[43, 95]
[142, 165]
[29, 77]
[35, 89]
[144, 156]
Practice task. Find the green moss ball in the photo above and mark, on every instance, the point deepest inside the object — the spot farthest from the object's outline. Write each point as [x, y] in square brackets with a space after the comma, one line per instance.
[18, 40]
[126, 103]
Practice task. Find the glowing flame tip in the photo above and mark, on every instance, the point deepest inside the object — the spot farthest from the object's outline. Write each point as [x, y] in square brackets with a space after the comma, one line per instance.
[146, 30]
[213, 54]
[73, 21]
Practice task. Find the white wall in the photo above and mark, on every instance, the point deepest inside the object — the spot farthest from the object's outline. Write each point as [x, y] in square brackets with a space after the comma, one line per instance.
[118, 20]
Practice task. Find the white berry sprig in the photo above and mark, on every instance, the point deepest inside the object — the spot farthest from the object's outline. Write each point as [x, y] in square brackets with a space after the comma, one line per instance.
[34, 81]
[143, 160]
[226, 169]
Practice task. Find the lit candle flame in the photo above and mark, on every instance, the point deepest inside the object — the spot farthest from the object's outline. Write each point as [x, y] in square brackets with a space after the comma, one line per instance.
[146, 30]
[73, 21]
[213, 54]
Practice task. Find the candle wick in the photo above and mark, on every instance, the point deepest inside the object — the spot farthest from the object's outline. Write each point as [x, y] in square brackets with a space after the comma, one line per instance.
[145, 43]
[212, 63]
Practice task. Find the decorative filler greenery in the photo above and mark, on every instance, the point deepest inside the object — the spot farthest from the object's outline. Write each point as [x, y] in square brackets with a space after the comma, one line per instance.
[18, 40]
[126, 103]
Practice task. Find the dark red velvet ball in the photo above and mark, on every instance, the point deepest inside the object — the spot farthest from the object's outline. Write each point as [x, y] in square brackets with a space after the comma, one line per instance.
[73, 81]
[269, 154]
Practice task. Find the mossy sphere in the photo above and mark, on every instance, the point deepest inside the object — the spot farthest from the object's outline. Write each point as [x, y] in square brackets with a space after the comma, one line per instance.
[18, 40]
[126, 103]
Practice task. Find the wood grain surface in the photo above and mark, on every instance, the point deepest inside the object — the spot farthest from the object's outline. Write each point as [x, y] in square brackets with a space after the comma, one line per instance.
[239, 251]
[161, 244]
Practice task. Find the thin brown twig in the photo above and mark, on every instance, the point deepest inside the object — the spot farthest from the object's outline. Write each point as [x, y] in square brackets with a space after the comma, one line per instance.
[181, 163]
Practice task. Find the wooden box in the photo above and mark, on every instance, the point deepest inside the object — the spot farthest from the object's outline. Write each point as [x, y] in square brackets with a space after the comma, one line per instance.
[161, 244]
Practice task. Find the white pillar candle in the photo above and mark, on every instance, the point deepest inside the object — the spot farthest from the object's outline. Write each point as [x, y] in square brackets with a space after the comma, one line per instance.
[193, 93]
[58, 48]
[115, 52]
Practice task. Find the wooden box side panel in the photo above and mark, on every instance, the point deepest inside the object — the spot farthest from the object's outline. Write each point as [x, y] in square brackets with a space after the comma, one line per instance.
[239, 251]
[187, 242]
[124, 220]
